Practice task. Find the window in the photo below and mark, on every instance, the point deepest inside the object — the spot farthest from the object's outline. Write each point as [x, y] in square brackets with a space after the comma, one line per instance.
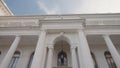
[94, 60]
[14, 60]
[31, 59]
[110, 60]
[62, 58]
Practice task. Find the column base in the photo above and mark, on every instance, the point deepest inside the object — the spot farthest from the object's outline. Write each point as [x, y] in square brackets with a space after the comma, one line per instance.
[62, 67]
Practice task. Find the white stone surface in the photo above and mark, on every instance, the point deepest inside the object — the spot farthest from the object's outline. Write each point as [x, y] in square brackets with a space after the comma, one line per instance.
[10, 53]
[112, 50]
[60, 28]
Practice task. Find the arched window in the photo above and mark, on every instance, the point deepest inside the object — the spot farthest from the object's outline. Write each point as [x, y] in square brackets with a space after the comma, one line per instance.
[94, 60]
[31, 59]
[14, 60]
[110, 60]
[62, 59]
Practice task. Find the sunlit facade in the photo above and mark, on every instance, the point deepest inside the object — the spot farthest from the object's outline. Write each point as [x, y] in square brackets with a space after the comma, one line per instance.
[4, 10]
[60, 41]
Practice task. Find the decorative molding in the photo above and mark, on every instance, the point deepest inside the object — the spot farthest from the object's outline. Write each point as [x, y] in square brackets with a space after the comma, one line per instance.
[19, 23]
[50, 46]
[73, 46]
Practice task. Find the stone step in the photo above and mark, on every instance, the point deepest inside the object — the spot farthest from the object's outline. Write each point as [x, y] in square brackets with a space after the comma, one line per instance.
[62, 67]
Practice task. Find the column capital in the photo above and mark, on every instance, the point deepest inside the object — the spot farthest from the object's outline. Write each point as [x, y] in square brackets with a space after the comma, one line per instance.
[76, 44]
[50, 46]
[105, 35]
[17, 35]
[73, 47]
[80, 30]
[43, 30]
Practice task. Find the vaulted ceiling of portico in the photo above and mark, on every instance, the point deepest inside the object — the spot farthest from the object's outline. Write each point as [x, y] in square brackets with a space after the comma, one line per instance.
[98, 39]
[25, 40]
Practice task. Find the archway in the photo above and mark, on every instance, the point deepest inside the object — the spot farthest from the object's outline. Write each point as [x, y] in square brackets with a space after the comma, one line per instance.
[62, 56]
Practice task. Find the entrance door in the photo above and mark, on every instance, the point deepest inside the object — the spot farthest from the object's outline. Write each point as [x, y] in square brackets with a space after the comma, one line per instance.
[62, 58]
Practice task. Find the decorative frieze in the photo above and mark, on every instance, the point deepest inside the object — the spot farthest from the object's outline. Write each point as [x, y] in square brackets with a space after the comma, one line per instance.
[103, 21]
[19, 23]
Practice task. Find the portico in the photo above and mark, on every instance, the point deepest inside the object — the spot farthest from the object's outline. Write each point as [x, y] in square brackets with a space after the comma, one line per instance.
[61, 43]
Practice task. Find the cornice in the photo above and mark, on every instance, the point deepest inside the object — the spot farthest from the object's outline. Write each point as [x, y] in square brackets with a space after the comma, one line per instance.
[38, 20]
[65, 16]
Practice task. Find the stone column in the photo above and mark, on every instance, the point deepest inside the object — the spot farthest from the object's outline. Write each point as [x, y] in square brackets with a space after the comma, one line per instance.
[74, 57]
[44, 58]
[37, 59]
[83, 48]
[112, 50]
[49, 58]
[10, 53]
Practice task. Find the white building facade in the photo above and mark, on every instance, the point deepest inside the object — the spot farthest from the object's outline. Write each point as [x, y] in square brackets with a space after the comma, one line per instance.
[4, 10]
[60, 41]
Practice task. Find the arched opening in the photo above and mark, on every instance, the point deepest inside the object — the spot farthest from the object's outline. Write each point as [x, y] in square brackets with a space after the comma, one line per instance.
[110, 60]
[14, 60]
[30, 60]
[62, 56]
[94, 60]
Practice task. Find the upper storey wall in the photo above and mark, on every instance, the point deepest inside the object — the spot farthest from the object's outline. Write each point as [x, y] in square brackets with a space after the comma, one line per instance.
[4, 10]
[37, 20]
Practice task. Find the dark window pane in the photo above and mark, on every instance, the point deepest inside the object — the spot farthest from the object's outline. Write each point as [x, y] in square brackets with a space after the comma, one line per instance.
[110, 60]
[14, 60]
[62, 58]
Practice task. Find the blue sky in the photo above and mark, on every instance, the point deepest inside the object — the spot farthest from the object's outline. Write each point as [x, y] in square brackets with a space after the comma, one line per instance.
[35, 7]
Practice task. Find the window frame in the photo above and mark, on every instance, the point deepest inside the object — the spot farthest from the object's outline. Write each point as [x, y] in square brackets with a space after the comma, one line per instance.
[110, 60]
[14, 59]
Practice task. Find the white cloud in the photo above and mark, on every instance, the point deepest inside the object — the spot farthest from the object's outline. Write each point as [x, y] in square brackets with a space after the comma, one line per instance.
[79, 6]
[46, 9]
